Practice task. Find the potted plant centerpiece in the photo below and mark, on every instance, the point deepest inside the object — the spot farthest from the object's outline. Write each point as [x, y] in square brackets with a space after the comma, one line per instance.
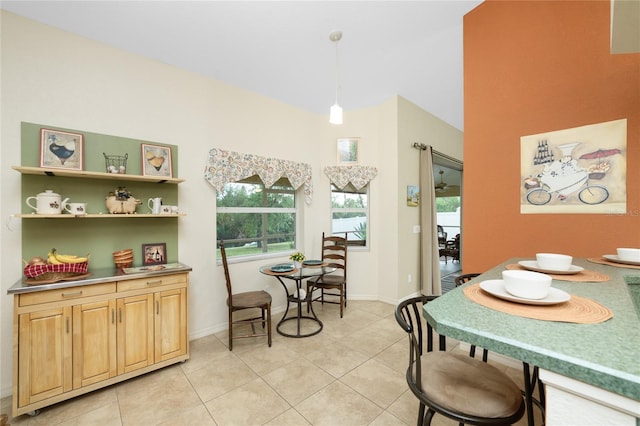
[297, 258]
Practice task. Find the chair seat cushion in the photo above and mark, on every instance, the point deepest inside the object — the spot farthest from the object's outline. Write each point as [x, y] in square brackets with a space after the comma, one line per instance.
[327, 279]
[251, 299]
[467, 385]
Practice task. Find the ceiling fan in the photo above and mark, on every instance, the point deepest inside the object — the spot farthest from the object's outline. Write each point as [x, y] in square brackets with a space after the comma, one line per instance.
[442, 185]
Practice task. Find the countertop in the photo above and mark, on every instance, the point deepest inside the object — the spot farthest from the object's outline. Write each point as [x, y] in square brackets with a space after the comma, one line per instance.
[606, 355]
[99, 276]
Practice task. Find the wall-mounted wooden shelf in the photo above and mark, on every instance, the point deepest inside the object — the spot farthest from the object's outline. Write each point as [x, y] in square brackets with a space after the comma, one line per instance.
[97, 216]
[45, 171]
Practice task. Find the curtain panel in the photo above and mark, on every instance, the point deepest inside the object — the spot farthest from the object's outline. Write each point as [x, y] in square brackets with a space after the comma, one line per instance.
[228, 166]
[358, 176]
[429, 248]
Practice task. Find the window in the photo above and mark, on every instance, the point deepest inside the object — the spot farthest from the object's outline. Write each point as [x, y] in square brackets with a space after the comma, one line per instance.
[350, 213]
[254, 220]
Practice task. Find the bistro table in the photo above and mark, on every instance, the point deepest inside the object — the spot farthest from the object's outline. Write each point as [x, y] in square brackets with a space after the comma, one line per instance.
[298, 296]
[591, 371]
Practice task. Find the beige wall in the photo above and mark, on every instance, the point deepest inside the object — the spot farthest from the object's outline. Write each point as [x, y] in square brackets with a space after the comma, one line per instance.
[416, 125]
[53, 77]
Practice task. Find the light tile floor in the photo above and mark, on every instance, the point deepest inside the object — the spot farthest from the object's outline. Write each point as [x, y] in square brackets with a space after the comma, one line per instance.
[352, 373]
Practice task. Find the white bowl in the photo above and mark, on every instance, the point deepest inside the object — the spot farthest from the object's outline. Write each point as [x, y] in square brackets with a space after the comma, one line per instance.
[526, 284]
[553, 261]
[630, 254]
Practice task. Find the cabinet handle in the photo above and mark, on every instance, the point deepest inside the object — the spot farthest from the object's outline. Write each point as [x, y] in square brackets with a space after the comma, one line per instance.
[156, 282]
[113, 316]
[75, 293]
[157, 308]
[120, 315]
[67, 325]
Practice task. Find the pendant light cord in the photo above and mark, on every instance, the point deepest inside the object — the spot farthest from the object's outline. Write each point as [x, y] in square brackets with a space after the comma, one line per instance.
[337, 68]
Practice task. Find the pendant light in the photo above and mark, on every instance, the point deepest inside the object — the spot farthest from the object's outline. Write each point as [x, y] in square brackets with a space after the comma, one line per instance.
[335, 113]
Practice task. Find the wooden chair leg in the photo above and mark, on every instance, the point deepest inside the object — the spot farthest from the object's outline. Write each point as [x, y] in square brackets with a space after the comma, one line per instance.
[345, 294]
[269, 324]
[230, 330]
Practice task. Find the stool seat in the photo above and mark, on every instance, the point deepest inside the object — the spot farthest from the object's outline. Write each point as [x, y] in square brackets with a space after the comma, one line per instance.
[453, 385]
[467, 385]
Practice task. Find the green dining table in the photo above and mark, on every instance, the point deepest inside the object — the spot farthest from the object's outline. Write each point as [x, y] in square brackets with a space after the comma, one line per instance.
[604, 357]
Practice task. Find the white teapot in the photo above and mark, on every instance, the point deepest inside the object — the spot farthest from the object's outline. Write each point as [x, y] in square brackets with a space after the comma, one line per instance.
[47, 202]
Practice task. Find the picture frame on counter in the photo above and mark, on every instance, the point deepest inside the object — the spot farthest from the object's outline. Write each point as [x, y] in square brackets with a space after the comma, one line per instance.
[154, 254]
[61, 150]
[156, 160]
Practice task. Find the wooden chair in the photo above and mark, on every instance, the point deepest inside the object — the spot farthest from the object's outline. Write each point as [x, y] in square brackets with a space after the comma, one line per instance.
[461, 388]
[442, 236]
[334, 252]
[459, 280]
[451, 249]
[247, 300]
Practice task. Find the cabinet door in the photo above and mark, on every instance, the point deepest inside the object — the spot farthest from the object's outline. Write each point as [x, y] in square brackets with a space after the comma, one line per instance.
[45, 367]
[94, 342]
[135, 332]
[170, 324]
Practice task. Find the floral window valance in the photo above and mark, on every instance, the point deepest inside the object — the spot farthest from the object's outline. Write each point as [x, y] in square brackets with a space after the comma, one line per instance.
[227, 166]
[358, 176]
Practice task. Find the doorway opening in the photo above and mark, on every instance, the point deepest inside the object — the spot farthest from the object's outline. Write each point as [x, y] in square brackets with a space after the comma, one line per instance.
[447, 178]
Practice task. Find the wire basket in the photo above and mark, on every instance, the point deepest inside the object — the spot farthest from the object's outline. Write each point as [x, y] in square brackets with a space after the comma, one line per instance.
[116, 163]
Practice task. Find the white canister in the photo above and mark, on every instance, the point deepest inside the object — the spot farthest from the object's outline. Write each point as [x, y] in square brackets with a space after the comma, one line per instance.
[47, 202]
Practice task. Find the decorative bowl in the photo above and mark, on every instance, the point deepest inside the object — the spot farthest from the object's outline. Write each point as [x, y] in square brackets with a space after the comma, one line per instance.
[553, 261]
[629, 254]
[526, 284]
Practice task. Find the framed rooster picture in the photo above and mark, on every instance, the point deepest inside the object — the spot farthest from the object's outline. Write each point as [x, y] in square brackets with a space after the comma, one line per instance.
[61, 150]
[156, 160]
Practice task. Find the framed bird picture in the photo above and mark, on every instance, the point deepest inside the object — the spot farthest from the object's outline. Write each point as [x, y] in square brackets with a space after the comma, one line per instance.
[156, 160]
[61, 150]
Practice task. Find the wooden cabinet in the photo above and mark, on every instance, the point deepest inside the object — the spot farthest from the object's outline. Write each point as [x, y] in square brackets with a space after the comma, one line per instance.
[170, 324]
[44, 359]
[94, 342]
[74, 340]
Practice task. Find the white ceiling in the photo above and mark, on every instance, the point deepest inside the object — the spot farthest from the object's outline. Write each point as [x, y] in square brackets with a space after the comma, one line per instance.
[281, 49]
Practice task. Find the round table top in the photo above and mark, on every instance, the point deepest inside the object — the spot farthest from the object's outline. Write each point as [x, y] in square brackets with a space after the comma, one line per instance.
[306, 271]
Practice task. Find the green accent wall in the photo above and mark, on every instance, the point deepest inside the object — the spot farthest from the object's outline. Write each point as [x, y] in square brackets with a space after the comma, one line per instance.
[94, 145]
[98, 236]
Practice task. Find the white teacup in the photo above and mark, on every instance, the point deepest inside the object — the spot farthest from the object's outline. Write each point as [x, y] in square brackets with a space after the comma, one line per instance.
[629, 254]
[78, 209]
[553, 261]
[526, 284]
[168, 209]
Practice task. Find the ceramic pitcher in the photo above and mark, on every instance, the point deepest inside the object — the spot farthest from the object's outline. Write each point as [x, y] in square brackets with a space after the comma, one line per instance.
[155, 205]
[47, 202]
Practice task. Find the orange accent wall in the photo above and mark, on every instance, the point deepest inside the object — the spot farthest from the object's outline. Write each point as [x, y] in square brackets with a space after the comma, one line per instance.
[532, 67]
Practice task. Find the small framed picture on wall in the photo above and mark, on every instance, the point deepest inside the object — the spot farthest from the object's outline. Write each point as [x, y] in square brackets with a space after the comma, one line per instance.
[156, 160]
[154, 254]
[347, 151]
[61, 150]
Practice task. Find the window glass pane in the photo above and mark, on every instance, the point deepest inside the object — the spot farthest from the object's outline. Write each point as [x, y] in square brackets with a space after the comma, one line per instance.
[248, 221]
[448, 213]
[349, 213]
[355, 224]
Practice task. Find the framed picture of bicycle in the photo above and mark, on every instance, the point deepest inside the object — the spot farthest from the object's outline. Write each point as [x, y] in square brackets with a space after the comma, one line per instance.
[577, 170]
